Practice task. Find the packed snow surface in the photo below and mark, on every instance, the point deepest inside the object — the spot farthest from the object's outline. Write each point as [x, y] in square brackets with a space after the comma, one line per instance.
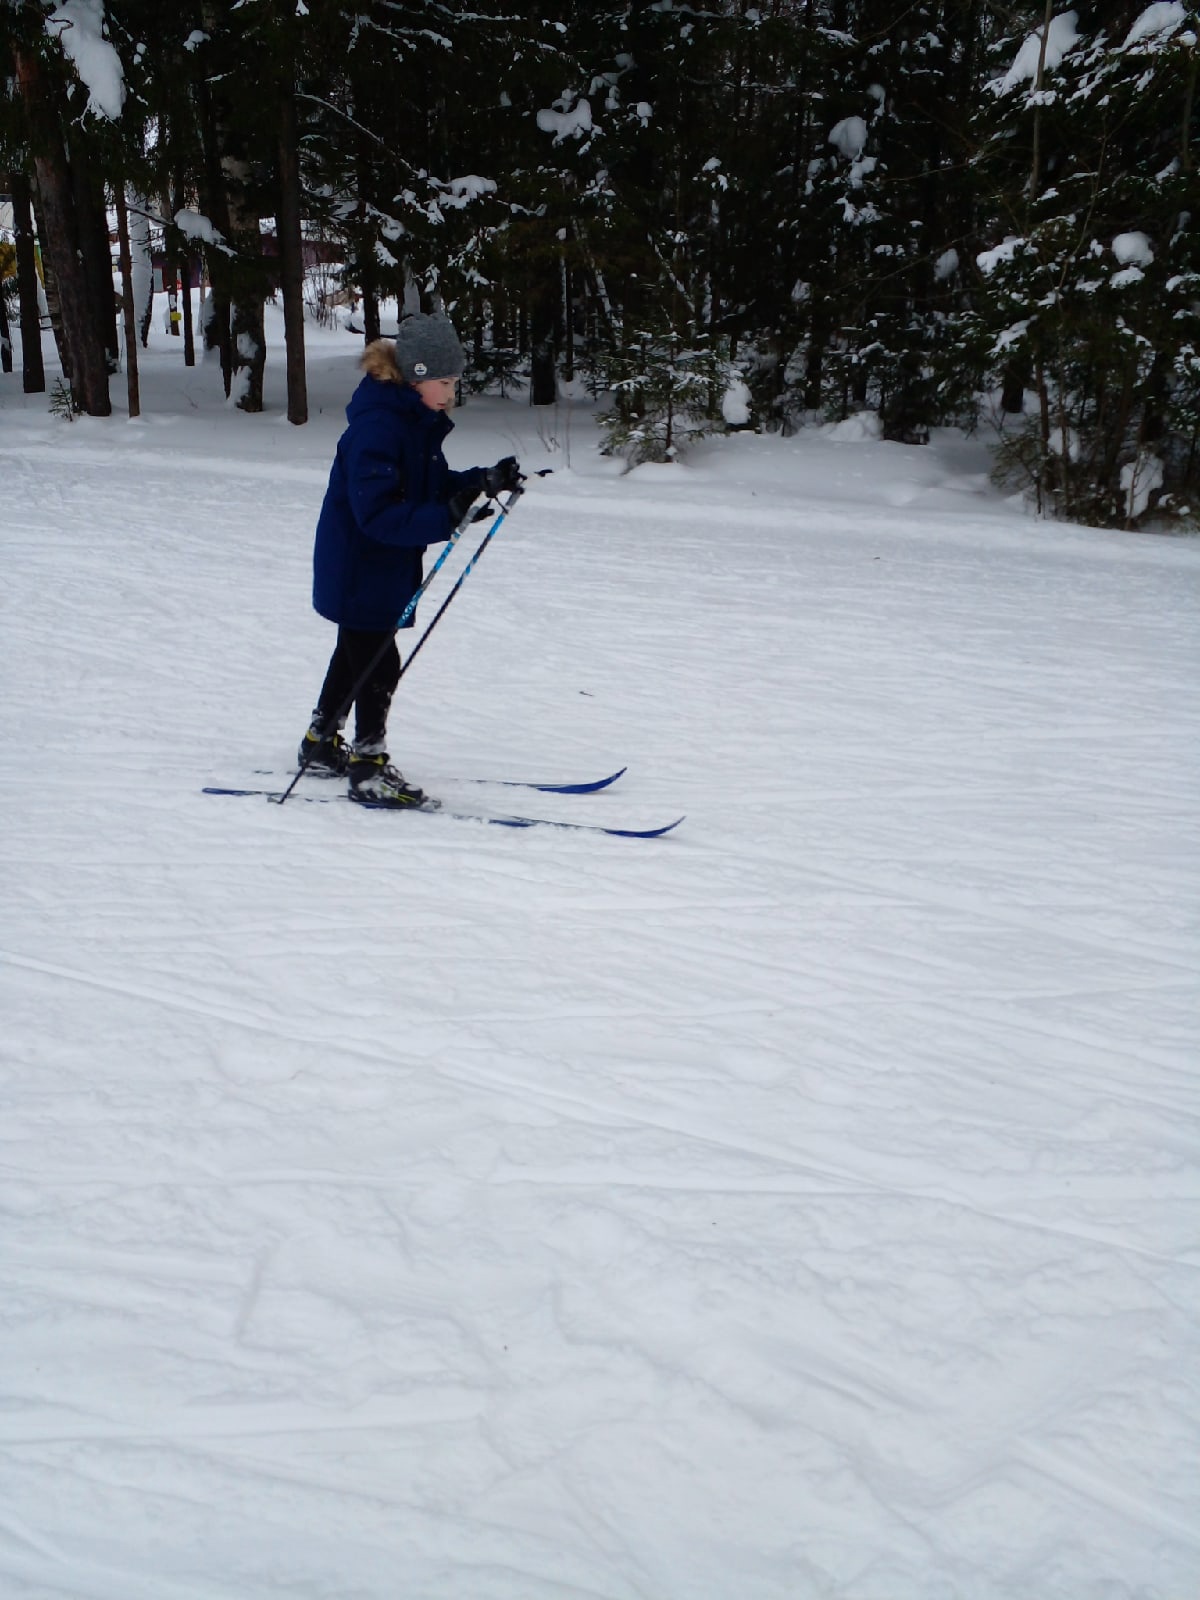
[801, 1206]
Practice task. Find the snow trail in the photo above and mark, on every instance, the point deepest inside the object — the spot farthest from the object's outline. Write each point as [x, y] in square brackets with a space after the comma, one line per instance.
[802, 1205]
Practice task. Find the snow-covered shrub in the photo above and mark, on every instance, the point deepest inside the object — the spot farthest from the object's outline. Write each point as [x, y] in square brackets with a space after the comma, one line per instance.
[664, 393]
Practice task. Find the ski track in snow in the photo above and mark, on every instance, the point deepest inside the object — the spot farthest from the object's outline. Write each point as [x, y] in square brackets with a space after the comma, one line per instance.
[804, 1205]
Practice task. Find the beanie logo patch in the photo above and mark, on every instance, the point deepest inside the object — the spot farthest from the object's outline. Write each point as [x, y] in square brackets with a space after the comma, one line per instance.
[420, 368]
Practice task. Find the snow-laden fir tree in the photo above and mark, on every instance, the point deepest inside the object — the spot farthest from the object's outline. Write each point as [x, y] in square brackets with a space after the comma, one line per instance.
[1089, 282]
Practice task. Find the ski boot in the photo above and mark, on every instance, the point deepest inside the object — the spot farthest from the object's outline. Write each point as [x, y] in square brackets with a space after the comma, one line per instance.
[323, 755]
[375, 782]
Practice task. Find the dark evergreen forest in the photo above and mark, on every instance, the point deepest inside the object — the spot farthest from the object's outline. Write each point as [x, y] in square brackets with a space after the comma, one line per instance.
[949, 212]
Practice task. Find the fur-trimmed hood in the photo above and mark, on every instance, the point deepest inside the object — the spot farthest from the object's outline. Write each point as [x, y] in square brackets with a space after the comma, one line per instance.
[379, 362]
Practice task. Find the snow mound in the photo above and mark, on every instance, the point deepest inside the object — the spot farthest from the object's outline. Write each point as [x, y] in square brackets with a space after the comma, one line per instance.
[861, 428]
[735, 404]
[1140, 479]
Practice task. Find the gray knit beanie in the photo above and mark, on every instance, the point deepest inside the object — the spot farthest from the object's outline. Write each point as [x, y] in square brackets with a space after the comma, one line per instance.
[428, 347]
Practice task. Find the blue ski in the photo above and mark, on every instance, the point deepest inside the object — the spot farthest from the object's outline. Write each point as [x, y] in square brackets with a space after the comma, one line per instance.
[590, 786]
[459, 816]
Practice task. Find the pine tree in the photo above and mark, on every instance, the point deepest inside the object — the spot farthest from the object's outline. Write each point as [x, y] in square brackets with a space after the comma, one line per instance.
[48, 113]
[1092, 284]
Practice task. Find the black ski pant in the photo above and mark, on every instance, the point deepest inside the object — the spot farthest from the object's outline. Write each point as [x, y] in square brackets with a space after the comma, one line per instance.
[355, 649]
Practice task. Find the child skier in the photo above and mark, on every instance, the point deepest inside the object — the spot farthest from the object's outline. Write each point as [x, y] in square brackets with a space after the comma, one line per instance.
[390, 494]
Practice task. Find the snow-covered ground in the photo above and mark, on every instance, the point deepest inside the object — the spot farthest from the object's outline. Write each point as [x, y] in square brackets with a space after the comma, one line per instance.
[397, 1208]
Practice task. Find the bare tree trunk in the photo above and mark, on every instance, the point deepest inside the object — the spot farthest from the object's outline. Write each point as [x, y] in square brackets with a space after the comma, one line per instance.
[249, 339]
[818, 340]
[1013, 387]
[568, 305]
[181, 269]
[364, 248]
[237, 328]
[371, 324]
[368, 281]
[216, 323]
[291, 259]
[6, 350]
[84, 352]
[189, 332]
[128, 309]
[543, 326]
[88, 184]
[230, 176]
[1035, 172]
[181, 274]
[50, 287]
[6, 360]
[33, 372]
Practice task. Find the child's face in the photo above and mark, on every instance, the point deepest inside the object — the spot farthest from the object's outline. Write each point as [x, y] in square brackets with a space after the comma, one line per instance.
[437, 393]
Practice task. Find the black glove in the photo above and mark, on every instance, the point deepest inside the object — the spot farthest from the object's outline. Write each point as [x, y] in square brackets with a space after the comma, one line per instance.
[505, 475]
[459, 504]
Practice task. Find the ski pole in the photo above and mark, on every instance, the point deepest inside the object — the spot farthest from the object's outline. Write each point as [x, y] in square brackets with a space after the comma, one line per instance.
[514, 495]
[505, 507]
[344, 708]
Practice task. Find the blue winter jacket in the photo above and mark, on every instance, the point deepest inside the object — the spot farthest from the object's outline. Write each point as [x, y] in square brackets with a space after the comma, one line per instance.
[385, 502]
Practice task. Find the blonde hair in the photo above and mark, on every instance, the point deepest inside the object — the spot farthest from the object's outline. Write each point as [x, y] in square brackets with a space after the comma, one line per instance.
[379, 361]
